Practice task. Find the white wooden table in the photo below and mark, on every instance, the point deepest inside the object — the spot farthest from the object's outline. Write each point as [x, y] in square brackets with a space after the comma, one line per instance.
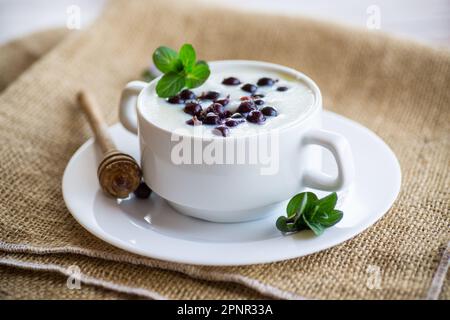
[424, 20]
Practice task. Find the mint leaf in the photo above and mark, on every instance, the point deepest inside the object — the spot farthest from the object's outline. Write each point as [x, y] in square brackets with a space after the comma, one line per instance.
[198, 75]
[300, 224]
[170, 84]
[180, 70]
[327, 203]
[187, 57]
[287, 226]
[282, 225]
[306, 211]
[293, 204]
[299, 203]
[310, 215]
[317, 228]
[330, 218]
[166, 59]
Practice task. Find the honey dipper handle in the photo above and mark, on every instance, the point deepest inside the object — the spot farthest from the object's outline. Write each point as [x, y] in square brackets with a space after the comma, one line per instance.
[96, 121]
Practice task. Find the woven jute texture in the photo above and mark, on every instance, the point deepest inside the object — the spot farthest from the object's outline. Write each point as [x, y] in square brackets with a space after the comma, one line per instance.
[25, 284]
[396, 88]
[138, 281]
[20, 54]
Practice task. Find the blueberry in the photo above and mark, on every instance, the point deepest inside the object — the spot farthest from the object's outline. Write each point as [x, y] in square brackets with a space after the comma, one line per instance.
[193, 108]
[282, 88]
[223, 101]
[257, 95]
[216, 108]
[256, 116]
[238, 116]
[269, 111]
[259, 102]
[249, 87]
[187, 95]
[222, 131]
[233, 122]
[143, 191]
[227, 114]
[175, 100]
[245, 107]
[231, 81]
[194, 121]
[211, 118]
[265, 82]
[210, 95]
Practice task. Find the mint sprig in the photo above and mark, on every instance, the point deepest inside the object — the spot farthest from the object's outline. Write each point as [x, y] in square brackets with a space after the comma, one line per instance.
[306, 211]
[180, 70]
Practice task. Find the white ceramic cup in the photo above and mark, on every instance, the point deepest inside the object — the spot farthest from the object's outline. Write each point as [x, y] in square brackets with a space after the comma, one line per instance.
[236, 192]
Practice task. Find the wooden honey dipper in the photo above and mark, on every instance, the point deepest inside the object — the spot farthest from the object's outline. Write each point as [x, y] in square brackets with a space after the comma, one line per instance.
[118, 173]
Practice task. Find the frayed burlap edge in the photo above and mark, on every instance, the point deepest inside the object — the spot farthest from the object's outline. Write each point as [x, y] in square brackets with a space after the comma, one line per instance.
[197, 273]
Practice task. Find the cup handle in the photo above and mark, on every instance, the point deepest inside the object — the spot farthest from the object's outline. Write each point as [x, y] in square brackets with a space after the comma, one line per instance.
[340, 148]
[127, 105]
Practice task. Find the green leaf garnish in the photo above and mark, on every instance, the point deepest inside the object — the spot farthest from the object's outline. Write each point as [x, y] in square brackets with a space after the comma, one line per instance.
[327, 203]
[200, 72]
[282, 224]
[180, 70]
[187, 56]
[165, 59]
[316, 227]
[306, 211]
[299, 203]
[331, 218]
[169, 83]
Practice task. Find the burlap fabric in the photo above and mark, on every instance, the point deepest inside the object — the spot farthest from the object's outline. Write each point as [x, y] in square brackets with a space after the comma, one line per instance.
[18, 55]
[24, 284]
[396, 88]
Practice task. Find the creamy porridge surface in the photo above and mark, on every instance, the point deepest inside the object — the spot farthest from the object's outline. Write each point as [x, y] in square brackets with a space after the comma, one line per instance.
[286, 101]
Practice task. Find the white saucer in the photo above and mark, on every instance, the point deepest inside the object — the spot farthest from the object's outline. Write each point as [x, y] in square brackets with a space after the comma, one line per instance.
[151, 228]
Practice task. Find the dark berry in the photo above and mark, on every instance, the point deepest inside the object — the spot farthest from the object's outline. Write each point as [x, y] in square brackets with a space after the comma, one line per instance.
[216, 108]
[282, 88]
[245, 107]
[201, 116]
[222, 131]
[256, 116]
[249, 87]
[143, 191]
[238, 116]
[265, 82]
[194, 122]
[231, 81]
[223, 101]
[259, 102]
[211, 118]
[187, 95]
[210, 95]
[258, 95]
[175, 100]
[269, 111]
[227, 114]
[193, 108]
[233, 122]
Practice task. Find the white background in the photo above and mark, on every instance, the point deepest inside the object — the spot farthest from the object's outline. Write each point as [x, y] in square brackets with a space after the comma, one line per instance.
[427, 21]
